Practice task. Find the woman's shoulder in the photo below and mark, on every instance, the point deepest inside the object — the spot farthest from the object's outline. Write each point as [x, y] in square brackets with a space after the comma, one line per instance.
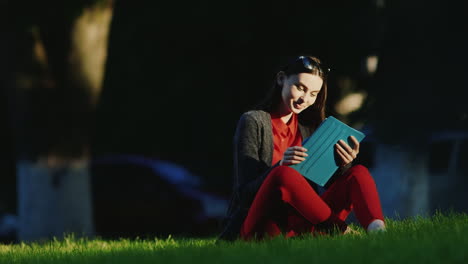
[255, 115]
[254, 119]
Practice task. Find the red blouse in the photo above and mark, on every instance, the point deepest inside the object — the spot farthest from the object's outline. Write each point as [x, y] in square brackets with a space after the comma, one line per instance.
[284, 136]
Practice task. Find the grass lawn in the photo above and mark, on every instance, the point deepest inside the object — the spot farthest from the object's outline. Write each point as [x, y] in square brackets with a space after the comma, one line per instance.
[438, 239]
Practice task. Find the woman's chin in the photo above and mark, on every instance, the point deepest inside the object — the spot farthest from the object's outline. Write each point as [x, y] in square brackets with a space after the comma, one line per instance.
[296, 110]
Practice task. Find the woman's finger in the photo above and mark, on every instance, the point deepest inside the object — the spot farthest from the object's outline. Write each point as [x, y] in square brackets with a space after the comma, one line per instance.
[345, 146]
[299, 158]
[294, 157]
[300, 153]
[290, 162]
[296, 148]
[348, 149]
[344, 161]
[299, 148]
[348, 156]
[295, 152]
[356, 144]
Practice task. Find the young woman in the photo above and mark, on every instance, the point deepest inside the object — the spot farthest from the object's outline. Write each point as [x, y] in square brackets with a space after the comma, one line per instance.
[269, 197]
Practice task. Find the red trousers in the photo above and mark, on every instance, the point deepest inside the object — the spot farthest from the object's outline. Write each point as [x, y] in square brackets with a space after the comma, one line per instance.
[287, 203]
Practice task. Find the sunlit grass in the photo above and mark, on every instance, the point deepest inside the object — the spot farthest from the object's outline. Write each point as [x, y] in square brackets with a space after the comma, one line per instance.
[437, 239]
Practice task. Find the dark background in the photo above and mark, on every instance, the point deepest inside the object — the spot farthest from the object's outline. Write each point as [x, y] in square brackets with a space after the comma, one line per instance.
[178, 78]
[179, 74]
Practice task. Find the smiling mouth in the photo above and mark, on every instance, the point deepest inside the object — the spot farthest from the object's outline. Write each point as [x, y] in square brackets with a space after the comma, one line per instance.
[298, 106]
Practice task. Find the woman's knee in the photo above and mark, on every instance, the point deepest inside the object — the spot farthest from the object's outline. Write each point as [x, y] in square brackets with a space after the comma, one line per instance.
[283, 173]
[358, 168]
[359, 172]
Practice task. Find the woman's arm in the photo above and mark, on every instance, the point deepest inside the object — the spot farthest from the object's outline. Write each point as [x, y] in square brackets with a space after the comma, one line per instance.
[249, 169]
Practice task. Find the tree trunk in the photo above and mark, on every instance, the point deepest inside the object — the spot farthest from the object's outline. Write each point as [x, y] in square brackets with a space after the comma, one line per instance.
[60, 57]
[402, 178]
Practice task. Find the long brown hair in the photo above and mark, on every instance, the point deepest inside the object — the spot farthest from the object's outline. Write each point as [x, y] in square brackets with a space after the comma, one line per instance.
[314, 114]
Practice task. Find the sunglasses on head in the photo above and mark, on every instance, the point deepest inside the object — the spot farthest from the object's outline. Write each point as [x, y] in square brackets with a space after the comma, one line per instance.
[311, 64]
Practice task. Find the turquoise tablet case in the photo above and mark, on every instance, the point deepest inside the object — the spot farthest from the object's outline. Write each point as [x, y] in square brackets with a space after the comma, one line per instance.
[320, 163]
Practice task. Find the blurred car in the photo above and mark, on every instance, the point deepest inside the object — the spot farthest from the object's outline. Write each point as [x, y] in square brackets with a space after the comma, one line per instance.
[136, 196]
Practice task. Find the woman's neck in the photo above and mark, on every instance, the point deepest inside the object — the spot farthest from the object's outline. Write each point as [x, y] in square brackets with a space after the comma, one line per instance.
[284, 114]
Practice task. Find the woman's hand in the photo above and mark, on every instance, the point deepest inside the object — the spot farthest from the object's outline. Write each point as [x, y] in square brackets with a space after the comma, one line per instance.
[294, 155]
[345, 152]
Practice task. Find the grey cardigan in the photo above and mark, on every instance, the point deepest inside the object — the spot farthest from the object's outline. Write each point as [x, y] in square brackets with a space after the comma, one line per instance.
[253, 152]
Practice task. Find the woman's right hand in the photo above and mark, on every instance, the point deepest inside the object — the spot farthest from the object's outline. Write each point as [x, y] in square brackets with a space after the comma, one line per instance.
[293, 155]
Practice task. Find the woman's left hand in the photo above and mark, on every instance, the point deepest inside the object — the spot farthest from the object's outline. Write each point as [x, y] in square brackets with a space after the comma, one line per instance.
[345, 152]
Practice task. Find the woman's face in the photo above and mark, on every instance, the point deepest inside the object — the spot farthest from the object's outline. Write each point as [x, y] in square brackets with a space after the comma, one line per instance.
[299, 92]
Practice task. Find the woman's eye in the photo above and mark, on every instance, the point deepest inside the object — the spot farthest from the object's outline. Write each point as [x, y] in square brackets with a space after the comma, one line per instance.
[300, 88]
[313, 94]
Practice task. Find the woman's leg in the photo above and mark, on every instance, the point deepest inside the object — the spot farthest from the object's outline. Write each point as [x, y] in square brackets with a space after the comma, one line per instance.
[355, 190]
[283, 185]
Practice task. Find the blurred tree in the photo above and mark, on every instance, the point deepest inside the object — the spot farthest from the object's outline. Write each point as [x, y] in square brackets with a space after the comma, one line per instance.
[59, 53]
[7, 175]
[418, 95]
[420, 85]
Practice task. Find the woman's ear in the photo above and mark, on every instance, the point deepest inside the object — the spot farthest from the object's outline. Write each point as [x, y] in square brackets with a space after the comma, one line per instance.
[280, 77]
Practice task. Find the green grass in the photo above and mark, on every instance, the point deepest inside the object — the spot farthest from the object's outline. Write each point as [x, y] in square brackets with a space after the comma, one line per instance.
[437, 239]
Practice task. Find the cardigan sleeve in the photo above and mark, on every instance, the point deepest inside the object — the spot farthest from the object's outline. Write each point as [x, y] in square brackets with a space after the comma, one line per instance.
[249, 169]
